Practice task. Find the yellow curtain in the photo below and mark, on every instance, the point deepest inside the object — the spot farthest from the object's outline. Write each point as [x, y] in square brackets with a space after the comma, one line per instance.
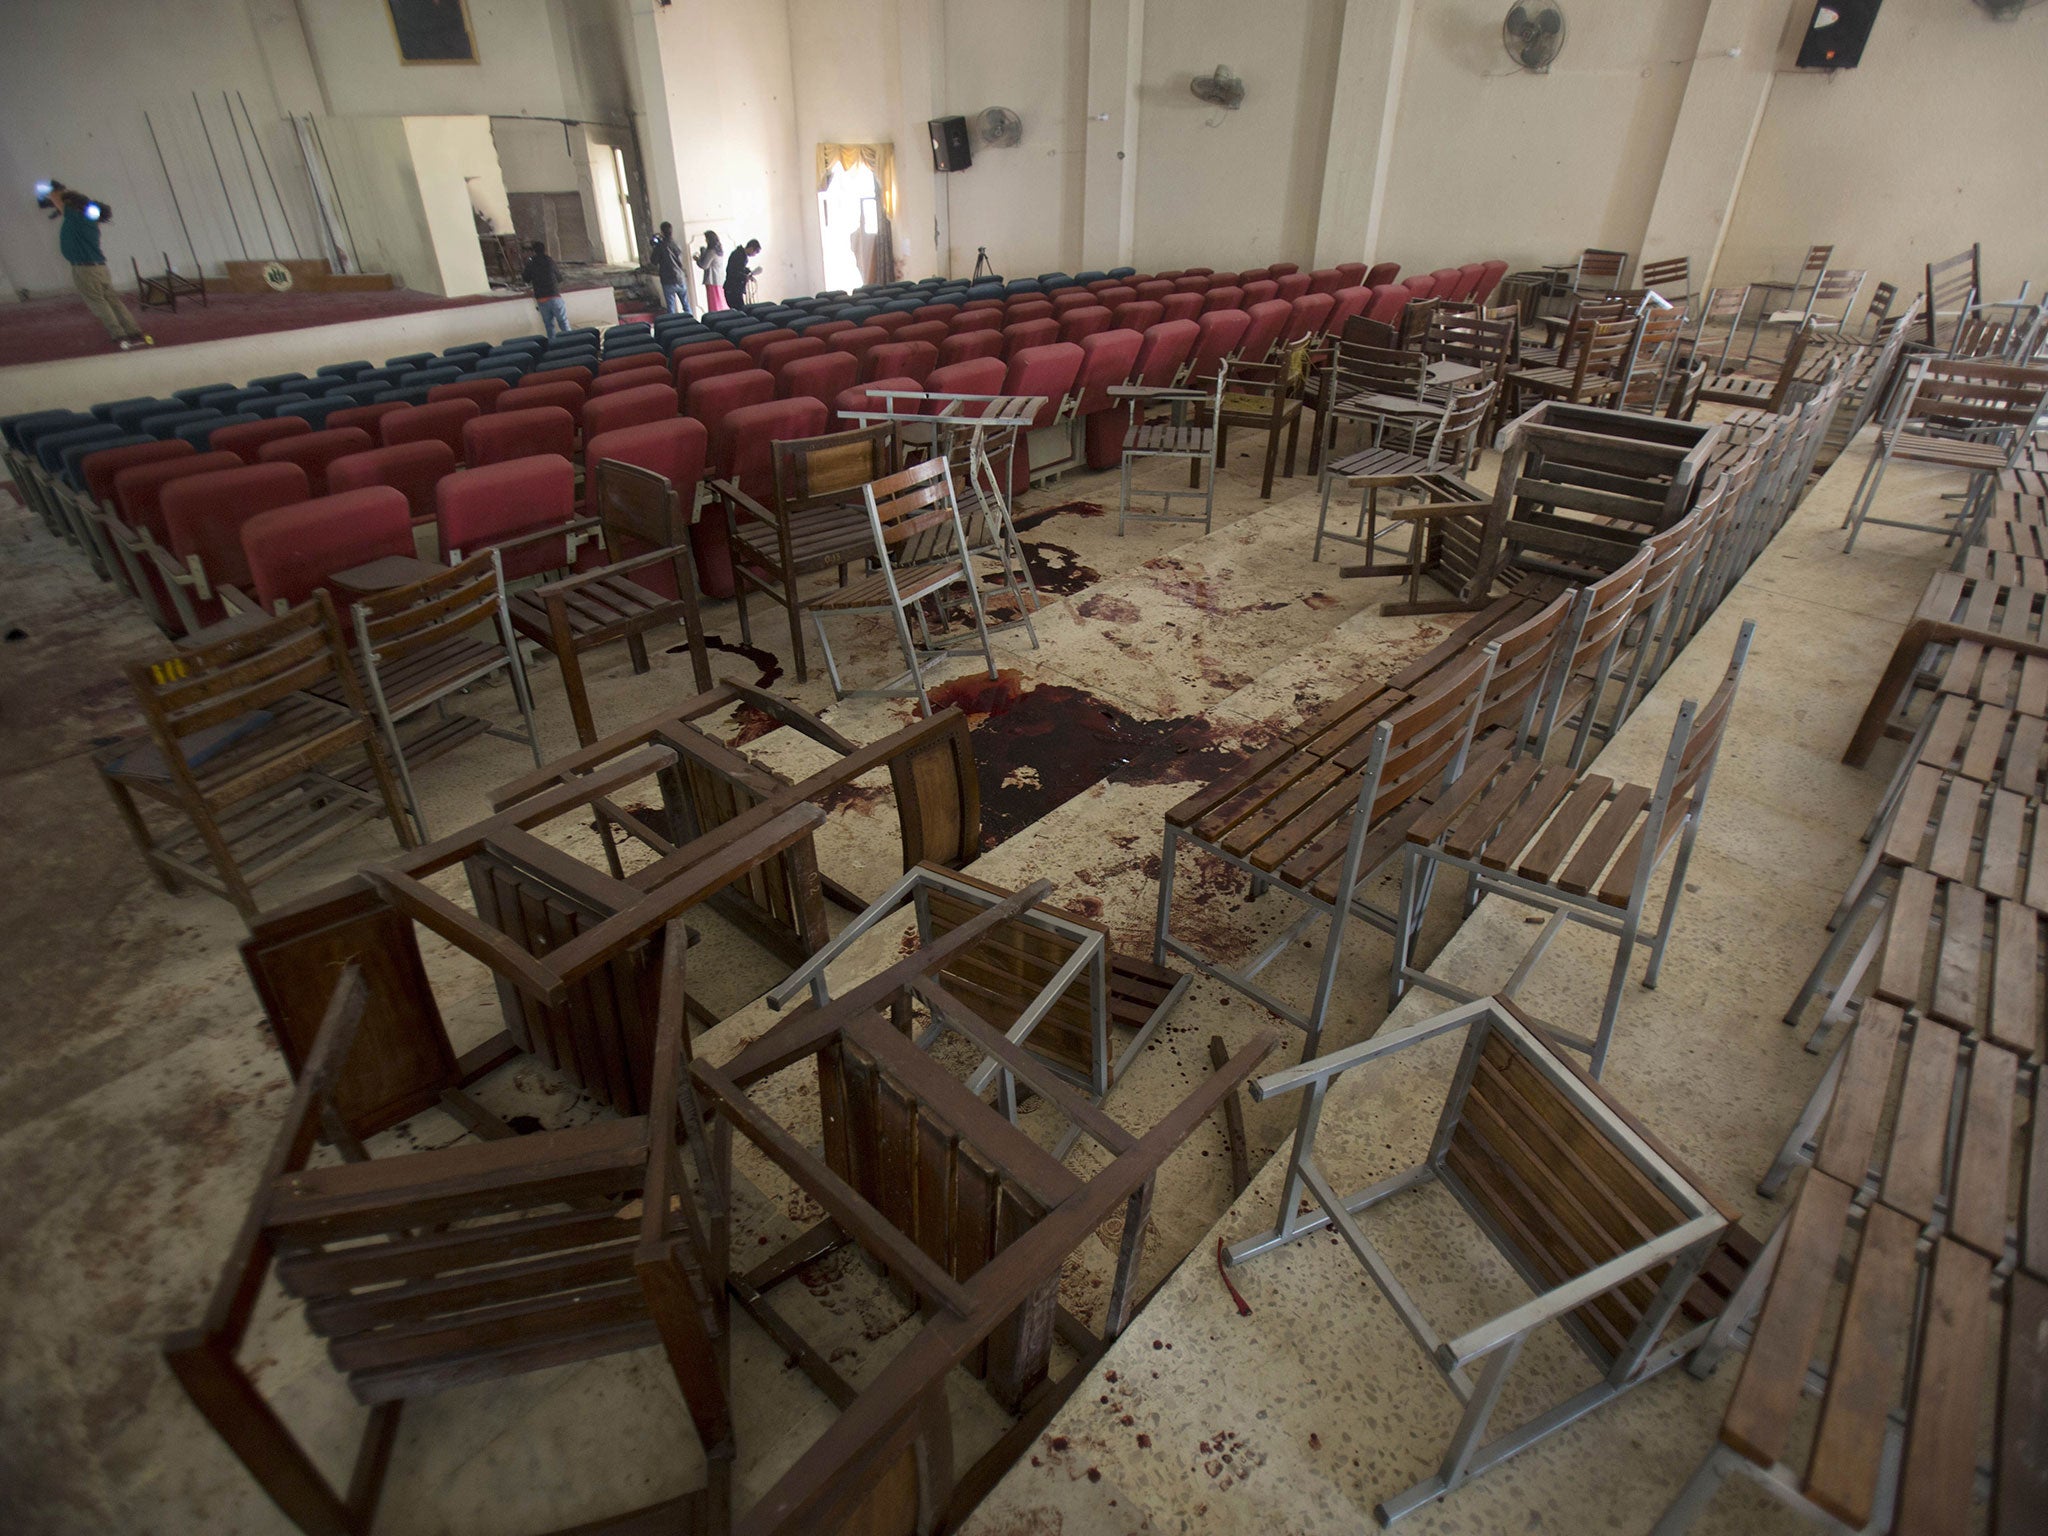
[879, 261]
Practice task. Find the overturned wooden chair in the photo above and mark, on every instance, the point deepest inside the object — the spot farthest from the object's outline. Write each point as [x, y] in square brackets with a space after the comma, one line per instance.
[469, 1263]
[970, 1219]
[1609, 1230]
[164, 292]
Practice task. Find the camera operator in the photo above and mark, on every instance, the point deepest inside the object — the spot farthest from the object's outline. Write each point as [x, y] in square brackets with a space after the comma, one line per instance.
[79, 241]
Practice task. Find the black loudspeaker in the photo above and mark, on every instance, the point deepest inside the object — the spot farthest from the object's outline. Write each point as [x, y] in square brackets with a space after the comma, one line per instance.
[1836, 35]
[950, 151]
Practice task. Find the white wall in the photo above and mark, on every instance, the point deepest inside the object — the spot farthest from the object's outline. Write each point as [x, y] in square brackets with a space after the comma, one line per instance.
[373, 174]
[520, 47]
[1934, 141]
[446, 153]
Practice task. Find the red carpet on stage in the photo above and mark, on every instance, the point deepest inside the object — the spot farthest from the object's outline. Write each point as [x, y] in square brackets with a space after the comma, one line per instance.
[43, 330]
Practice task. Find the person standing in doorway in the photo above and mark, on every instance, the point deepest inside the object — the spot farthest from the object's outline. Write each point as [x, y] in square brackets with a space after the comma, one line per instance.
[668, 271]
[79, 242]
[710, 260]
[545, 279]
[737, 271]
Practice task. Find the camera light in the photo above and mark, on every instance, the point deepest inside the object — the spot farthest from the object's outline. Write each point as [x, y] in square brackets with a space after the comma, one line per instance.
[42, 189]
[92, 211]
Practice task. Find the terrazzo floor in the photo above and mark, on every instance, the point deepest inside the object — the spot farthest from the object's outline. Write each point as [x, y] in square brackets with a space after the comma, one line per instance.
[139, 1089]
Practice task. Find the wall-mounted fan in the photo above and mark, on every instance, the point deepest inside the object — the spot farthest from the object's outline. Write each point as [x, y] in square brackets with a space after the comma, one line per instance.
[1220, 89]
[998, 128]
[1533, 36]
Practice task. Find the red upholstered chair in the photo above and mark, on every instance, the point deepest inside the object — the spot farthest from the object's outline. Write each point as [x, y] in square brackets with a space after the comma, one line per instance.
[1447, 280]
[1280, 269]
[1029, 309]
[1199, 272]
[1071, 298]
[1468, 279]
[673, 449]
[710, 365]
[862, 398]
[1354, 273]
[574, 373]
[940, 313]
[823, 378]
[963, 346]
[136, 493]
[1490, 274]
[1350, 301]
[504, 435]
[891, 320]
[1166, 347]
[1227, 296]
[1267, 321]
[754, 430]
[1388, 300]
[1115, 294]
[710, 401]
[1218, 334]
[774, 355]
[245, 439]
[690, 349]
[976, 320]
[527, 397]
[982, 306]
[1173, 275]
[1049, 371]
[1154, 289]
[1191, 282]
[632, 378]
[630, 363]
[1081, 322]
[933, 331]
[1103, 284]
[1382, 273]
[442, 422]
[1255, 275]
[1108, 358]
[1029, 333]
[901, 360]
[1291, 286]
[484, 392]
[364, 416]
[99, 470]
[1181, 304]
[1325, 280]
[831, 328]
[412, 469]
[314, 451]
[761, 341]
[485, 507]
[294, 551]
[203, 520]
[970, 376]
[1309, 315]
[1259, 291]
[1137, 314]
[1421, 287]
[857, 341]
[630, 407]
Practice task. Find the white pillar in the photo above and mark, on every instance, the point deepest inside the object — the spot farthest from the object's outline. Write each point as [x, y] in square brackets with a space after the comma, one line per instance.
[1109, 199]
[1371, 61]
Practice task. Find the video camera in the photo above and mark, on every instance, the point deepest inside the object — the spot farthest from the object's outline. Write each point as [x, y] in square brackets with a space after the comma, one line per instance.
[51, 196]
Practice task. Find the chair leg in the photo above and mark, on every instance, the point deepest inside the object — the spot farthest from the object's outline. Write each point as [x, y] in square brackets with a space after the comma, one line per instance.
[831, 662]
[1123, 499]
[1625, 949]
[1166, 858]
[903, 638]
[1322, 521]
[1694, 1497]
[1406, 922]
[131, 817]
[1272, 453]
[387, 788]
[1671, 896]
[988, 651]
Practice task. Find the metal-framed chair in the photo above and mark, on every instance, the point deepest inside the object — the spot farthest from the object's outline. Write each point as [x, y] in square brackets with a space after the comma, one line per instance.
[1176, 437]
[1809, 275]
[1604, 1225]
[1265, 398]
[1952, 286]
[1670, 279]
[1826, 308]
[919, 552]
[1582, 847]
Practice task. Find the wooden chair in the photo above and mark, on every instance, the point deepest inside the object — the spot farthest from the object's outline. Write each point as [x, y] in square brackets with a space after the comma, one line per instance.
[1264, 398]
[164, 292]
[465, 1264]
[1766, 391]
[1599, 272]
[1466, 347]
[969, 1219]
[1592, 377]
[1415, 319]
[1367, 385]
[237, 741]
[1607, 1228]
[818, 522]
[1175, 437]
[1321, 829]
[1952, 286]
[1652, 356]
[1564, 334]
[1048, 978]
[1809, 275]
[1583, 848]
[919, 549]
[420, 644]
[1826, 308]
[1671, 279]
[591, 608]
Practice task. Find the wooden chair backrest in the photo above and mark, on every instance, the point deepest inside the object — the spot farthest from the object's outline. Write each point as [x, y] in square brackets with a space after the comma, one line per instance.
[1875, 318]
[1586, 314]
[1709, 726]
[1415, 319]
[1600, 270]
[1426, 738]
[1603, 351]
[1363, 370]
[916, 515]
[1359, 331]
[1467, 336]
[1465, 412]
[1551, 1184]
[1650, 359]
[1005, 972]
[393, 625]
[1817, 259]
[632, 502]
[207, 686]
[2006, 396]
[1671, 277]
[1525, 665]
[938, 792]
[1608, 604]
[1839, 286]
[1952, 286]
[1685, 392]
[828, 471]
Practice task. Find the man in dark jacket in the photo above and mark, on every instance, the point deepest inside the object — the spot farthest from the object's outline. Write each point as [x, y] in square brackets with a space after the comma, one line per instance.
[669, 262]
[545, 279]
[737, 273]
[79, 241]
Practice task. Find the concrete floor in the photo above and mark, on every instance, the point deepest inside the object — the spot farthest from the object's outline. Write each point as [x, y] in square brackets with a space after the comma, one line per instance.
[140, 1089]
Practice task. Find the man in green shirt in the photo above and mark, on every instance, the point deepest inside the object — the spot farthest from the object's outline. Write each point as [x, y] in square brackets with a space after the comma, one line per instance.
[79, 241]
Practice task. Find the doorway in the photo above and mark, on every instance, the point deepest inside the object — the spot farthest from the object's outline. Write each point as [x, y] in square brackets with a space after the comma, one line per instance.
[849, 222]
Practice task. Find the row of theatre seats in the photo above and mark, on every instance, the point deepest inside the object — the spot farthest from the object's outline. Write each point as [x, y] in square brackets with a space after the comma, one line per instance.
[275, 485]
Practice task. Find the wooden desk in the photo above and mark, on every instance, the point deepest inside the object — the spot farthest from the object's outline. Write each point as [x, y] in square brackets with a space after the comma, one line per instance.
[383, 574]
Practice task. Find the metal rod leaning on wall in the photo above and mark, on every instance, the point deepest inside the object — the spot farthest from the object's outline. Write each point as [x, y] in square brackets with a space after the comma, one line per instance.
[299, 136]
[282, 211]
[249, 171]
[355, 251]
[225, 194]
[178, 207]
